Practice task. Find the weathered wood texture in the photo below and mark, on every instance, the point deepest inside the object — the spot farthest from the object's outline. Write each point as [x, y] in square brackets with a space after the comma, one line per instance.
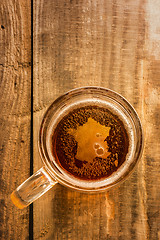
[15, 101]
[114, 44]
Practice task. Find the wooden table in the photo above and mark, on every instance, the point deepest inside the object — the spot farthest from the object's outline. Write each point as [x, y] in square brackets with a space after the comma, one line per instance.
[47, 48]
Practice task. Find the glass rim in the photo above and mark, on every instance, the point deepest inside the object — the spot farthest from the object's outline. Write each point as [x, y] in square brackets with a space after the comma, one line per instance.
[51, 110]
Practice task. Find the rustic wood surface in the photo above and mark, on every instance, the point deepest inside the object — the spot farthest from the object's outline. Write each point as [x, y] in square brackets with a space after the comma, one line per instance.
[113, 44]
[15, 112]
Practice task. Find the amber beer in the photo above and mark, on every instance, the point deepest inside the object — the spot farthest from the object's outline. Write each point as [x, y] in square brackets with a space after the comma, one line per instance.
[90, 142]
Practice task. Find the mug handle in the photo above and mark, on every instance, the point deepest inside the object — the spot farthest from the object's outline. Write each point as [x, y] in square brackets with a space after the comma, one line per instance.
[34, 187]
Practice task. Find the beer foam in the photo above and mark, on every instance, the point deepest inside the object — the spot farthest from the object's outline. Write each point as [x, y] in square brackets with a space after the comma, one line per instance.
[99, 149]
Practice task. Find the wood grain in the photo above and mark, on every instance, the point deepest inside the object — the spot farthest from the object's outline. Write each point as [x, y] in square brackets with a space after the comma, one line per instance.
[114, 44]
[15, 80]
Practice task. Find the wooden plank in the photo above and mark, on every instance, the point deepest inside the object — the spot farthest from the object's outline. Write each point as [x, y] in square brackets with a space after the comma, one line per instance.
[15, 75]
[110, 44]
[151, 106]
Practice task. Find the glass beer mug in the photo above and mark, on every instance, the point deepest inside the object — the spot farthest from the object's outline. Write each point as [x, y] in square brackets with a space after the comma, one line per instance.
[94, 101]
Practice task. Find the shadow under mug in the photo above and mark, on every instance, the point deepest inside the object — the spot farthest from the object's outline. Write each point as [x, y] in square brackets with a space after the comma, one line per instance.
[51, 174]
